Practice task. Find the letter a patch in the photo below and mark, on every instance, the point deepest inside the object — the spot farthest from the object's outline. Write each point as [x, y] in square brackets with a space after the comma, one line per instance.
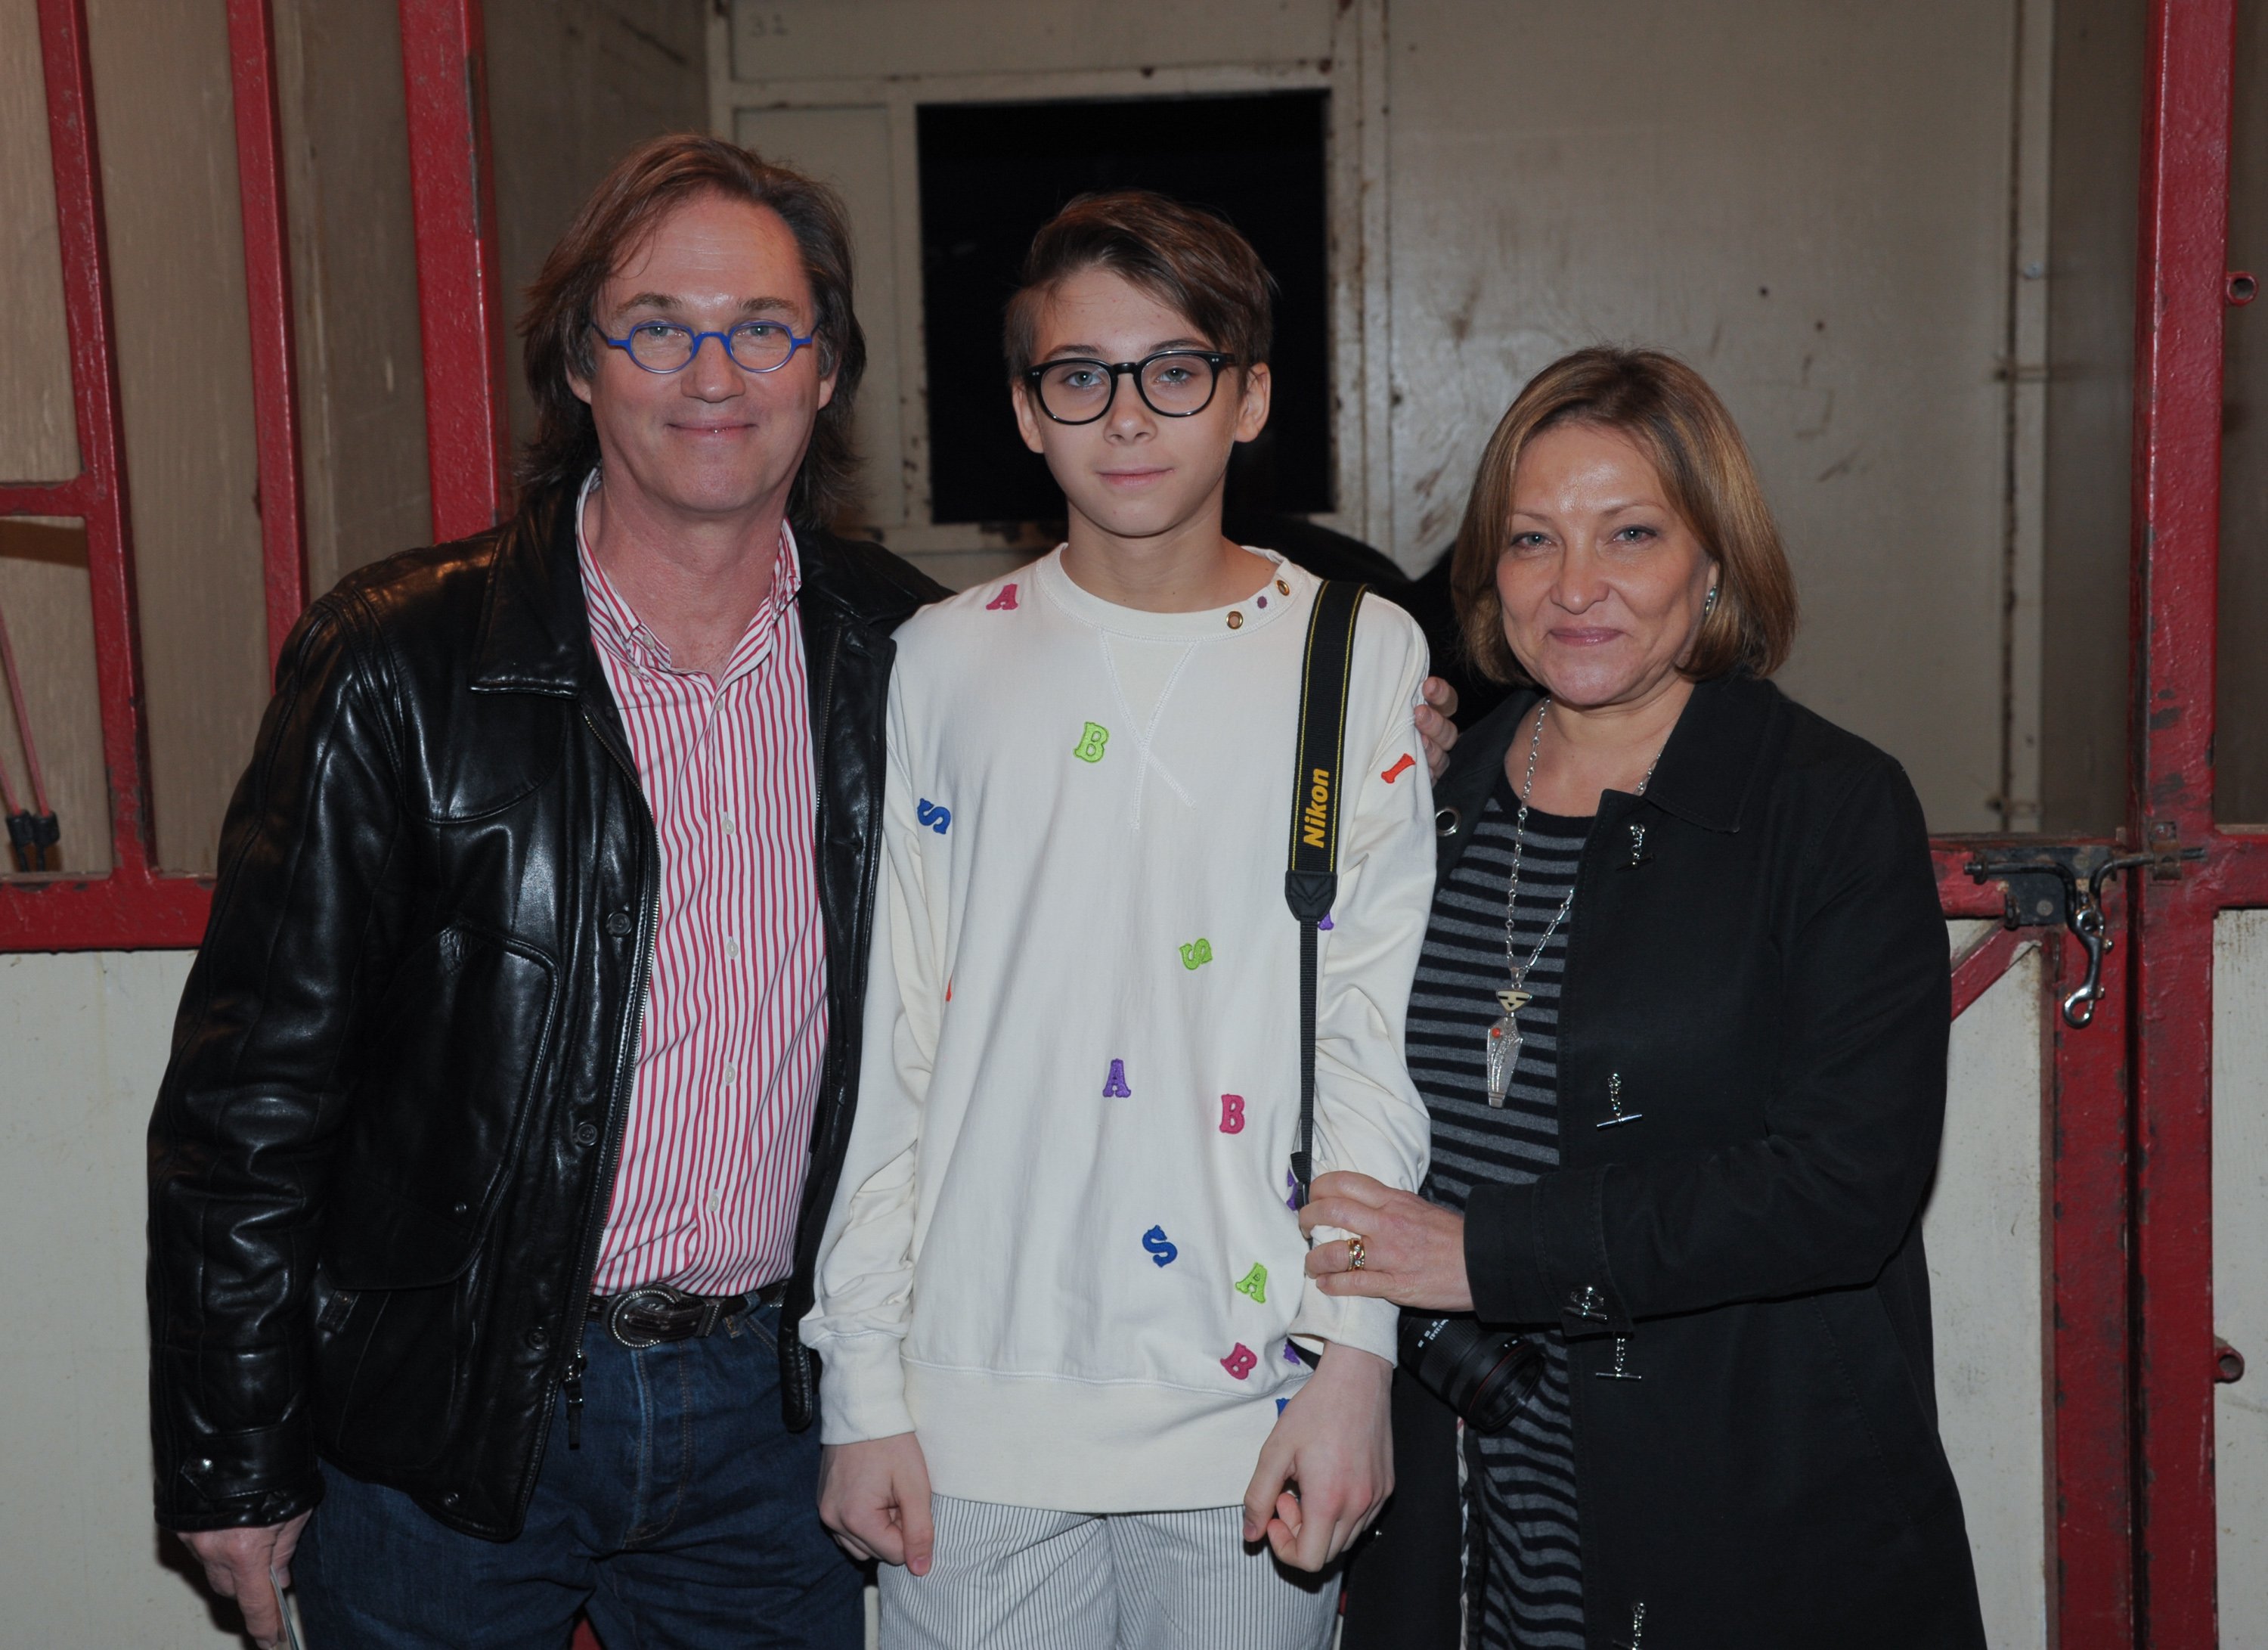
[1113, 1086]
[1254, 1284]
[1005, 602]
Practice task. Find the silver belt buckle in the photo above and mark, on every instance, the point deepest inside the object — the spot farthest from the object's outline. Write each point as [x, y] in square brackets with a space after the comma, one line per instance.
[649, 1300]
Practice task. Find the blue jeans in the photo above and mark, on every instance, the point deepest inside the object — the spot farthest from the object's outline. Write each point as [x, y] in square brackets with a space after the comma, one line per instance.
[688, 1520]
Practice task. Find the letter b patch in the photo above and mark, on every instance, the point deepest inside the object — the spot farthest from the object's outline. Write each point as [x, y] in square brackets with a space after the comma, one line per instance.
[1091, 739]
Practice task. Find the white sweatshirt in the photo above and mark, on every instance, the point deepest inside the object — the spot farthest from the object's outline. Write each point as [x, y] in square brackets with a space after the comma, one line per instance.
[1061, 1251]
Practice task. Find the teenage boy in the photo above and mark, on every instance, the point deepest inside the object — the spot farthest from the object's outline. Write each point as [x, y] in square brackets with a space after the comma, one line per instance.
[1061, 1286]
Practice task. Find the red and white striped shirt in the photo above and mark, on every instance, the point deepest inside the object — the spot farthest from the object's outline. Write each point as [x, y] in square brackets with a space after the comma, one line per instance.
[712, 1163]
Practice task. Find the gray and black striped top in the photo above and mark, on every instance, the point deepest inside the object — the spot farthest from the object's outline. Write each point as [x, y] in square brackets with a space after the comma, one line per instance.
[1525, 1571]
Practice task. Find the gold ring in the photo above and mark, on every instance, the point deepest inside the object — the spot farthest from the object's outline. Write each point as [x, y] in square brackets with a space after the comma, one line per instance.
[1354, 1254]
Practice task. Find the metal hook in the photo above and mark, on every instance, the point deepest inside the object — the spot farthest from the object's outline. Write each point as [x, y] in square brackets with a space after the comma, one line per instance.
[2093, 930]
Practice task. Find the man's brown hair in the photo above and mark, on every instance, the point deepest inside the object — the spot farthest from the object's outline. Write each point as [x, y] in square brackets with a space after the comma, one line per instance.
[644, 186]
[1676, 419]
[1192, 261]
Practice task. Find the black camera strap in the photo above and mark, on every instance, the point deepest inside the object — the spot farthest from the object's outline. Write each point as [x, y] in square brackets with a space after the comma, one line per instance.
[1311, 883]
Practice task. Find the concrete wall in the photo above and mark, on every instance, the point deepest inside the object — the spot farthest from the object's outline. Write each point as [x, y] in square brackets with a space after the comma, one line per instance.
[1816, 204]
[2090, 387]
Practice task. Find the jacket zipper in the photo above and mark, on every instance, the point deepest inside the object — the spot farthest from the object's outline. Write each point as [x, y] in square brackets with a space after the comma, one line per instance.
[570, 1385]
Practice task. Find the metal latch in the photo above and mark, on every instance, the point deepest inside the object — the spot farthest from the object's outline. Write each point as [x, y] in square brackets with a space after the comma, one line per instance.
[2061, 883]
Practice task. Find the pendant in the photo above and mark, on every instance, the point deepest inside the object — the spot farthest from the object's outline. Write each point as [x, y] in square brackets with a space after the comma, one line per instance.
[1503, 1057]
[1504, 1045]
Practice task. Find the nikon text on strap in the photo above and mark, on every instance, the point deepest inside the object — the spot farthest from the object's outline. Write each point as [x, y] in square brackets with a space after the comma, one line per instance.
[1311, 882]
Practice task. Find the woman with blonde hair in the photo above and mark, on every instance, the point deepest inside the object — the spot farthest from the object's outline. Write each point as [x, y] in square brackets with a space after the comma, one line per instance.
[1681, 1020]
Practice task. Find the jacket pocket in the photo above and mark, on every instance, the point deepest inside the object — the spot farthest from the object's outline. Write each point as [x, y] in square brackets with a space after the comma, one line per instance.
[390, 1373]
[1872, 1368]
[432, 1119]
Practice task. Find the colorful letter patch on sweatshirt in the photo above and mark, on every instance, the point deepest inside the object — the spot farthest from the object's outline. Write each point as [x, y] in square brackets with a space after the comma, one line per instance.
[1254, 1284]
[1005, 602]
[1232, 1114]
[1196, 954]
[1113, 1086]
[934, 814]
[1161, 1247]
[1091, 739]
[1241, 1362]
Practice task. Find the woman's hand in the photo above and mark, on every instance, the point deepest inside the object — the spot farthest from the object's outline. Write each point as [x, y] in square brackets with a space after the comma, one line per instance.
[1413, 1252]
[1435, 726]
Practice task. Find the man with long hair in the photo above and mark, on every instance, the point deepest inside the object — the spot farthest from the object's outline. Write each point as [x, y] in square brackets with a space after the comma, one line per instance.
[510, 1085]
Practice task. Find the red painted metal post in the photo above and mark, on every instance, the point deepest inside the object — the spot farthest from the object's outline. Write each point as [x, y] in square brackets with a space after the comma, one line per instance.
[2176, 494]
[459, 313]
[101, 431]
[268, 295]
[2089, 1334]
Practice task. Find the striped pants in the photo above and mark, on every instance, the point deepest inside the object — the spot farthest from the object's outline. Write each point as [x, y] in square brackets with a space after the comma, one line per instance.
[1018, 1578]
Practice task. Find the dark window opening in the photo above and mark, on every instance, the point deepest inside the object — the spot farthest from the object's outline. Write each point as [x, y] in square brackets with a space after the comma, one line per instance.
[992, 174]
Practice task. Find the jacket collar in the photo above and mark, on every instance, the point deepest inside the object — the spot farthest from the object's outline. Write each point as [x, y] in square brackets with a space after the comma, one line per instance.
[535, 627]
[535, 630]
[1709, 770]
[1707, 774]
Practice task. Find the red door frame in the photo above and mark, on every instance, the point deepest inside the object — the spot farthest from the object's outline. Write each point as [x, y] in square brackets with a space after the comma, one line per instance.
[2130, 1343]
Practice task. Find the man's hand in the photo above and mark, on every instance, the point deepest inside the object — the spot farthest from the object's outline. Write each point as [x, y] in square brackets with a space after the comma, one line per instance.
[237, 1564]
[1335, 1441]
[1413, 1251]
[874, 1497]
[1433, 724]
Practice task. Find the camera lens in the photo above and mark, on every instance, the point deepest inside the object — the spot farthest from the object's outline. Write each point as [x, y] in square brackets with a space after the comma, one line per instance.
[1485, 1374]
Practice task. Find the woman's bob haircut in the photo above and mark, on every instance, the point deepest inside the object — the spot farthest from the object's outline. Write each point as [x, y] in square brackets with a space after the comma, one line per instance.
[1676, 419]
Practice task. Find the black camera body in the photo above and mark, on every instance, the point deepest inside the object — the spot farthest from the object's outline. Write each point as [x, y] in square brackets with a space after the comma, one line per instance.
[1485, 1374]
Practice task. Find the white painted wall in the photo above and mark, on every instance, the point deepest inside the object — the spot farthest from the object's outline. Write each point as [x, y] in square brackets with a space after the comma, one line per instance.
[2240, 1282]
[82, 1567]
[1983, 1229]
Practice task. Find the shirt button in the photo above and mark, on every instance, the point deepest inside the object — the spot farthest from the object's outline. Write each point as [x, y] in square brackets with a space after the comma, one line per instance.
[586, 1134]
[732, 948]
[731, 1071]
[715, 1199]
[725, 821]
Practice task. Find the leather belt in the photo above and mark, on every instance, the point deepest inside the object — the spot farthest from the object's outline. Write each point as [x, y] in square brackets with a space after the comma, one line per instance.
[639, 1318]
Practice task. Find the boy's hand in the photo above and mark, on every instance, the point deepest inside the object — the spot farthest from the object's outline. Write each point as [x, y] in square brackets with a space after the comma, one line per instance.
[1335, 1441]
[874, 1497]
[1433, 724]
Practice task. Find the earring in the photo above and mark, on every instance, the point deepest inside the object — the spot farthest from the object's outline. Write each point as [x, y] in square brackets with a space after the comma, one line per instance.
[1709, 603]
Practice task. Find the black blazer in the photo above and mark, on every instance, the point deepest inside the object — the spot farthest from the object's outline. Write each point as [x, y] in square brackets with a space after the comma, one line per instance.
[380, 1160]
[1757, 951]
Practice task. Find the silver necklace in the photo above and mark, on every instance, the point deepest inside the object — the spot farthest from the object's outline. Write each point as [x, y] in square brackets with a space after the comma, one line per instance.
[1503, 1036]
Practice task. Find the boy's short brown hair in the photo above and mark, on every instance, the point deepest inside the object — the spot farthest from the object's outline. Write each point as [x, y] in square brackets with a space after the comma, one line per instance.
[1191, 260]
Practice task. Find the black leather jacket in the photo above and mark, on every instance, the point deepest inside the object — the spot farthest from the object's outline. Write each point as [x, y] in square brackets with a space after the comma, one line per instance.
[381, 1159]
